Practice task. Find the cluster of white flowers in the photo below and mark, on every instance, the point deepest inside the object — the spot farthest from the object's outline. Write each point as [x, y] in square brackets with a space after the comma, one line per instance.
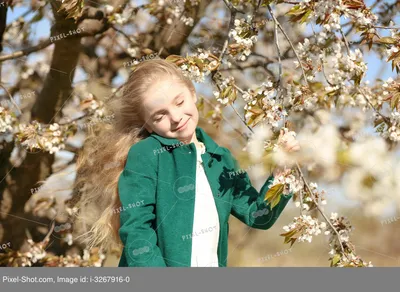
[289, 180]
[108, 9]
[86, 260]
[35, 254]
[395, 48]
[343, 229]
[274, 112]
[7, 122]
[191, 68]
[57, 142]
[343, 67]
[391, 50]
[100, 258]
[324, 8]
[68, 238]
[309, 54]
[346, 66]
[133, 51]
[312, 51]
[393, 132]
[246, 43]
[193, 72]
[314, 189]
[385, 85]
[266, 89]
[13, 33]
[333, 9]
[28, 72]
[295, 92]
[177, 8]
[189, 21]
[352, 260]
[35, 136]
[93, 106]
[120, 18]
[361, 18]
[336, 253]
[224, 84]
[308, 227]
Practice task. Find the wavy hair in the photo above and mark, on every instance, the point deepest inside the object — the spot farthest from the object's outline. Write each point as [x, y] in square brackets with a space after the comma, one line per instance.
[103, 157]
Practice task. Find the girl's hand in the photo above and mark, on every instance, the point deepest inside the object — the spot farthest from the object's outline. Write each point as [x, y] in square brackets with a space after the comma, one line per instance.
[288, 142]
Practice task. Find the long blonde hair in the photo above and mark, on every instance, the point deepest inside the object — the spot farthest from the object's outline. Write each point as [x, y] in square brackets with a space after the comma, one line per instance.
[105, 151]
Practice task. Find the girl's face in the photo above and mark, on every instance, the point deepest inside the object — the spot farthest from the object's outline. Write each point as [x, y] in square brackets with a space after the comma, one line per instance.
[170, 110]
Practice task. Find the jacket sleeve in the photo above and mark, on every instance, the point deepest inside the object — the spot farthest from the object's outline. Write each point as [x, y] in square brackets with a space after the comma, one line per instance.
[137, 189]
[248, 204]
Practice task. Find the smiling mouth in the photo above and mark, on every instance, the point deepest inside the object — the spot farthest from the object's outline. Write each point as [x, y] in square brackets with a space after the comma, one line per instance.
[181, 126]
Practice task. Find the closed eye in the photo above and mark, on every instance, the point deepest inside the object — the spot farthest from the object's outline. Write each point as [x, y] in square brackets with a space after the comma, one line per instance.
[159, 119]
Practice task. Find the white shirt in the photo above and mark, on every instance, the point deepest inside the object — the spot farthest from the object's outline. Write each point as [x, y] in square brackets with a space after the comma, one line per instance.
[205, 234]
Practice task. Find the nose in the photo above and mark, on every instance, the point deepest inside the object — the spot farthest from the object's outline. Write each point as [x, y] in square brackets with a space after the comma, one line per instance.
[176, 116]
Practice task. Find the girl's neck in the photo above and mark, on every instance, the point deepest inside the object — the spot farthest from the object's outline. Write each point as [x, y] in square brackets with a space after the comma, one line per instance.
[192, 140]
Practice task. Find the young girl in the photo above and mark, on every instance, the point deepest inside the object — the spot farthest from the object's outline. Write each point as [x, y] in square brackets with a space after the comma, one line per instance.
[169, 196]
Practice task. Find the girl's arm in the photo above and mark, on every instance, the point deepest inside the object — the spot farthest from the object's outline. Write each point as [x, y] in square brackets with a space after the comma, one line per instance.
[249, 205]
[137, 189]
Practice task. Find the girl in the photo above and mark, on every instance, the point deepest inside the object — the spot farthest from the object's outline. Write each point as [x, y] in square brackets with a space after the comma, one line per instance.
[168, 198]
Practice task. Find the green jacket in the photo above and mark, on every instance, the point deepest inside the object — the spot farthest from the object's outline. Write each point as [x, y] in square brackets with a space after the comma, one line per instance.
[157, 194]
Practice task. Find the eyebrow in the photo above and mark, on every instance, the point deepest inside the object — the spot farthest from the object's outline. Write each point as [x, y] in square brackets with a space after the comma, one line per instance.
[161, 110]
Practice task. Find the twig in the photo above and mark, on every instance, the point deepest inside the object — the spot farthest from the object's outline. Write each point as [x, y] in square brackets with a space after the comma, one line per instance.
[124, 34]
[290, 42]
[319, 209]
[345, 41]
[226, 120]
[372, 106]
[279, 51]
[322, 61]
[233, 10]
[172, 31]
[11, 98]
[386, 27]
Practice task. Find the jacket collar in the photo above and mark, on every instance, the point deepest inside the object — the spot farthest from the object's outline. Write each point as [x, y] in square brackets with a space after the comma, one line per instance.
[202, 136]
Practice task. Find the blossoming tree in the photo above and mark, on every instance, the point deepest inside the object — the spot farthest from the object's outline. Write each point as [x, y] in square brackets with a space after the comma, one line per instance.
[288, 70]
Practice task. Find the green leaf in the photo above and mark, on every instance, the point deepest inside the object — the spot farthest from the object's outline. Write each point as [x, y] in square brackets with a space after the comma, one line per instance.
[173, 58]
[275, 201]
[293, 240]
[199, 63]
[305, 16]
[295, 10]
[274, 192]
[289, 233]
[258, 119]
[335, 259]
[387, 40]
[395, 100]
[287, 239]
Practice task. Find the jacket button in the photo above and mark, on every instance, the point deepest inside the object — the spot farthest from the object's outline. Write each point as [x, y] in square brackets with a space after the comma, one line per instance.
[190, 152]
